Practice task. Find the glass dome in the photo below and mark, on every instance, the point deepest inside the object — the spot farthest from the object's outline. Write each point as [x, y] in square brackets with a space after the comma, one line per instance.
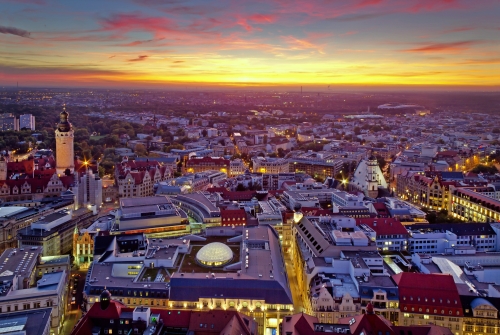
[214, 254]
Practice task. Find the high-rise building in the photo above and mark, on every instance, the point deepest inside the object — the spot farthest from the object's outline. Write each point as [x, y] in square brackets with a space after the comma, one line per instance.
[9, 122]
[65, 155]
[27, 121]
[90, 189]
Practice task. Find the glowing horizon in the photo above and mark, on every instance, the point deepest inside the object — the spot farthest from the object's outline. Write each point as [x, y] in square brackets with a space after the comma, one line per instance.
[153, 43]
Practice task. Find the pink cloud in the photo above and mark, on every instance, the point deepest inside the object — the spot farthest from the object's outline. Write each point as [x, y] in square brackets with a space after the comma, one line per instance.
[302, 44]
[458, 29]
[125, 23]
[247, 22]
[434, 5]
[450, 47]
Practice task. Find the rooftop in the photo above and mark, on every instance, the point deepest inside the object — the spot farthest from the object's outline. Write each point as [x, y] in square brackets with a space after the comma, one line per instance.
[18, 262]
[262, 273]
[33, 322]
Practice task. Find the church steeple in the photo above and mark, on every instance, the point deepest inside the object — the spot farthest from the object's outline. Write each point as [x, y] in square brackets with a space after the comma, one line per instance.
[64, 125]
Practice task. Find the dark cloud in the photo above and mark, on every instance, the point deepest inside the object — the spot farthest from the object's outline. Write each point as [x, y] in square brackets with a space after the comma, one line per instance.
[139, 58]
[178, 61]
[14, 31]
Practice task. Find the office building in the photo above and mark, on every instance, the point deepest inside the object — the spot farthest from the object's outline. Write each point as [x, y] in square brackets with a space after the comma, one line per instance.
[20, 292]
[27, 121]
[150, 215]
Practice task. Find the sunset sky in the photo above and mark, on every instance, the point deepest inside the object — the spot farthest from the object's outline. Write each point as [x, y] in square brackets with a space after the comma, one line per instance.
[156, 43]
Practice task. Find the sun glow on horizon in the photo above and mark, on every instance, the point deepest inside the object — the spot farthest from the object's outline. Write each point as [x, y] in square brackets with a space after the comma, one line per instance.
[248, 43]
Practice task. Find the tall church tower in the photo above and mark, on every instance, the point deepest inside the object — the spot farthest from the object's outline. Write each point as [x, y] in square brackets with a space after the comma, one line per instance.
[65, 154]
[3, 168]
[372, 180]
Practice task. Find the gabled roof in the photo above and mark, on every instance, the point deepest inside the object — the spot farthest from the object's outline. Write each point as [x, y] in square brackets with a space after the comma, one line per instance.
[422, 330]
[222, 322]
[368, 324]
[112, 312]
[299, 324]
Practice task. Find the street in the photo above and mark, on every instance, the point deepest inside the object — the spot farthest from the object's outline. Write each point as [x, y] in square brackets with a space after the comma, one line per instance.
[74, 312]
[72, 317]
[297, 296]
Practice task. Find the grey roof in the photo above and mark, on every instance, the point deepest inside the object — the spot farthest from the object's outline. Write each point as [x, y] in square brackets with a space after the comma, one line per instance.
[33, 322]
[452, 175]
[460, 229]
[145, 201]
[101, 243]
[167, 160]
[192, 289]
[480, 301]
[399, 211]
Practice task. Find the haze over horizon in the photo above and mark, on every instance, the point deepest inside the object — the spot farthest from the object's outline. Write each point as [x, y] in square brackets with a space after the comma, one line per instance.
[377, 44]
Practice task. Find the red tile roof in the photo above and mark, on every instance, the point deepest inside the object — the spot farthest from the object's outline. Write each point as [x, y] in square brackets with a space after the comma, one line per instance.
[434, 294]
[201, 323]
[26, 166]
[368, 324]
[384, 226]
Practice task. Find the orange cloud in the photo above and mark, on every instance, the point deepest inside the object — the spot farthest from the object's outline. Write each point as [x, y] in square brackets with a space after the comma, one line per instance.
[138, 59]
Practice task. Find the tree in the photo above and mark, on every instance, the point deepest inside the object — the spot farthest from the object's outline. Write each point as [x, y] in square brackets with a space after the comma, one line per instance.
[148, 142]
[431, 217]
[204, 132]
[496, 130]
[102, 171]
[241, 188]
[381, 162]
[173, 146]
[112, 141]
[140, 149]
[81, 134]
[485, 169]
[281, 152]
[357, 130]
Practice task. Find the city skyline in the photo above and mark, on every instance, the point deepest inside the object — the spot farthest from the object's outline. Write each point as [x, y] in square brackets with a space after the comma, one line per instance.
[446, 44]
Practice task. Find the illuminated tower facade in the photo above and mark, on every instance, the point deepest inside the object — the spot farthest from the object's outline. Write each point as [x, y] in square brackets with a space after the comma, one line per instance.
[3, 168]
[65, 154]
